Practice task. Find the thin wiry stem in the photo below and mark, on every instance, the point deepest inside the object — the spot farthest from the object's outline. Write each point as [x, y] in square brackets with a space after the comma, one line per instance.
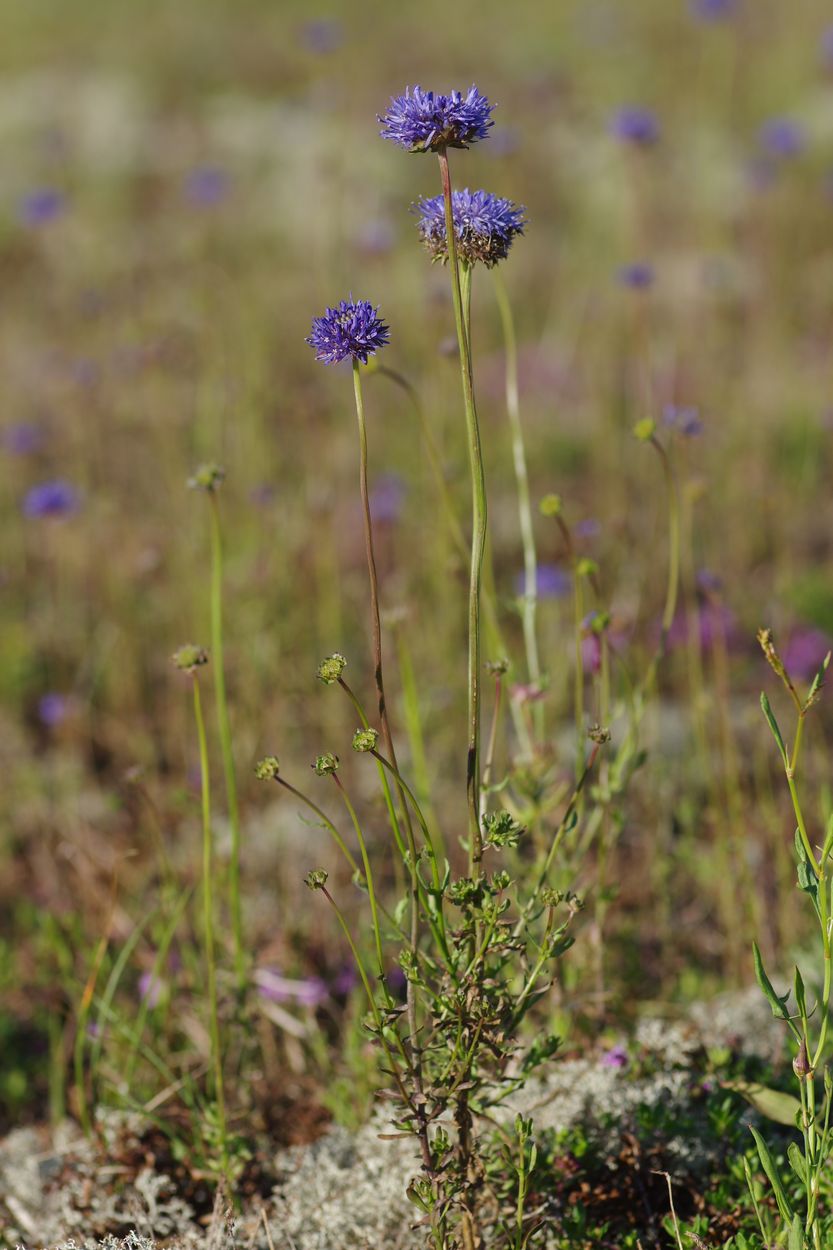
[479, 520]
[224, 723]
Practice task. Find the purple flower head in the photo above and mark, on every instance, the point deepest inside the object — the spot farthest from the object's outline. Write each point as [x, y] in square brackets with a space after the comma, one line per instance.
[616, 1057]
[322, 35]
[638, 276]
[23, 438]
[553, 582]
[151, 989]
[588, 528]
[309, 992]
[41, 207]
[713, 10]
[53, 708]
[484, 224]
[804, 652]
[51, 499]
[387, 497]
[353, 329]
[782, 137]
[686, 421]
[421, 121]
[207, 186]
[637, 125]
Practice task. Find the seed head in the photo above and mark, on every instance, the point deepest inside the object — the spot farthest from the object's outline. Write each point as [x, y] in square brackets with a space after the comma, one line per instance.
[645, 429]
[330, 670]
[773, 659]
[325, 764]
[421, 121]
[598, 734]
[351, 330]
[268, 768]
[190, 657]
[551, 505]
[501, 829]
[365, 740]
[485, 226]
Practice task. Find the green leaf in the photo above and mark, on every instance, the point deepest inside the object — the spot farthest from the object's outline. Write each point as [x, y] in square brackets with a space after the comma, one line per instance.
[797, 1164]
[772, 1176]
[773, 724]
[796, 1241]
[800, 998]
[777, 1004]
[772, 1103]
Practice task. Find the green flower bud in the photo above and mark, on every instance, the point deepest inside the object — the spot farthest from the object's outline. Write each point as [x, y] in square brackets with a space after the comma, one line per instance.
[189, 657]
[597, 733]
[645, 429]
[208, 477]
[501, 829]
[317, 879]
[330, 670]
[267, 769]
[325, 764]
[497, 667]
[365, 739]
[550, 505]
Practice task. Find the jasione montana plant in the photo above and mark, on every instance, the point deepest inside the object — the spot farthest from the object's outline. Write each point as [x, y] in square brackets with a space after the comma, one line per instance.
[478, 947]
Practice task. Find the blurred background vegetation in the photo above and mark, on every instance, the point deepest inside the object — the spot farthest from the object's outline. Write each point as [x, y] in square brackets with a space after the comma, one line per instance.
[184, 186]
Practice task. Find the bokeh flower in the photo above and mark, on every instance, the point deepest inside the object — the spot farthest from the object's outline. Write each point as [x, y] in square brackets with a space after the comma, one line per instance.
[713, 10]
[685, 420]
[553, 582]
[616, 1057]
[321, 35]
[53, 709]
[782, 137]
[151, 989]
[51, 499]
[351, 330]
[421, 121]
[804, 651]
[41, 207]
[635, 124]
[638, 275]
[23, 438]
[206, 186]
[485, 226]
[387, 497]
[308, 991]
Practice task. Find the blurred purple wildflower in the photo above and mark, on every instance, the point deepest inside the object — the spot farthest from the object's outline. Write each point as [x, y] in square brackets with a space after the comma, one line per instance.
[684, 420]
[309, 992]
[51, 499]
[151, 989]
[421, 121]
[41, 207]
[53, 708]
[387, 497]
[715, 622]
[504, 141]
[263, 494]
[485, 226]
[638, 275]
[588, 528]
[375, 237]
[352, 329]
[553, 582]
[782, 137]
[206, 186]
[344, 980]
[321, 35]
[713, 10]
[804, 651]
[23, 438]
[616, 1057]
[635, 124]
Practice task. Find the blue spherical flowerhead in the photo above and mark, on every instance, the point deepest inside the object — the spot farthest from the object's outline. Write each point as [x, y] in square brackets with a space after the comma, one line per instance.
[352, 329]
[633, 124]
[421, 121]
[713, 10]
[51, 499]
[41, 207]
[638, 275]
[485, 226]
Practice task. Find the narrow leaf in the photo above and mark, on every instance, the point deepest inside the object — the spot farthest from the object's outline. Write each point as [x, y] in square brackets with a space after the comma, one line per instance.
[771, 1103]
[777, 1004]
[772, 1176]
[773, 724]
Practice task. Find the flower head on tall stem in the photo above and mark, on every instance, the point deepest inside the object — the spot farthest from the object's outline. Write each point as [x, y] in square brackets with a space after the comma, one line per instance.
[352, 330]
[422, 121]
[636, 125]
[485, 226]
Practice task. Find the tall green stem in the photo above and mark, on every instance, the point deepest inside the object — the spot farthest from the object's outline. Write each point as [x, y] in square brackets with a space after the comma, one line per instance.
[225, 739]
[208, 918]
[478, 537]
[513, 409]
